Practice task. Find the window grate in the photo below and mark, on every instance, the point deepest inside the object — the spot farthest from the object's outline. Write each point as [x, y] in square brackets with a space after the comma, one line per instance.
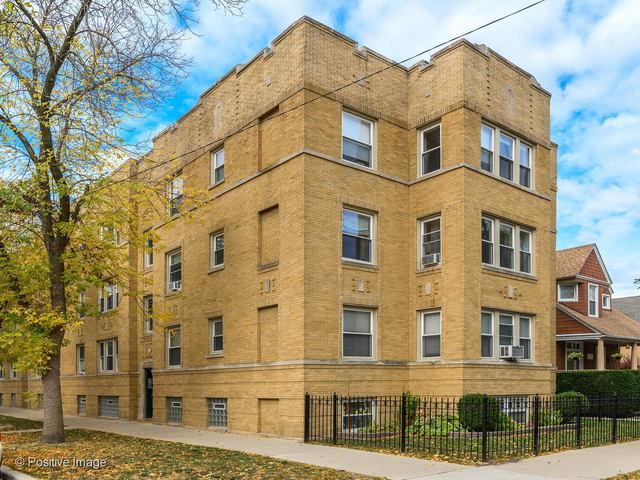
[108, 407]
[174, 409]
[82, 404]
[217, 412]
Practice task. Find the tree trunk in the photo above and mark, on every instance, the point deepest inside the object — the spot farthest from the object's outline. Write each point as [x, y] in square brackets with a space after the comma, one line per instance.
[53, 429]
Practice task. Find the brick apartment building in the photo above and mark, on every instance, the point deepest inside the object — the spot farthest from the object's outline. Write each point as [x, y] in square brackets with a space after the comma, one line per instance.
[385, 237]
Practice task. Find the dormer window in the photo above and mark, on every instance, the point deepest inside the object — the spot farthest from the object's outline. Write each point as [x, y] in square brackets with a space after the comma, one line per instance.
[568, 292]
[593, 300]
[606, 301]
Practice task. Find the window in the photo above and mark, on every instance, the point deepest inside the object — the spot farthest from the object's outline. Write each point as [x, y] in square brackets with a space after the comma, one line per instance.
[175, 193]
[108, 298]
[513, 153]
[573, 363]
[1, 370]
[357, 236]
[357, 333]
[217, 166]
[13, 373]
[217, 338]
[487, 335]
[357, 140]
[503, 255]
[82, 305]
[82, 404]
[430, 150]
[357, 413]
[525, 251]
[80, 366]
[568, 292]
[111, 234]
[217, 412]
[506, 156]
[174, 346]
[430, 334]
[147, 312]
[606, 301]
[525, 165]
[486, 142]
[506, 245]
[108, 355]
[524, 333]
[109, 407]
[217, 250]
[487, 241]
[505, 329]
[174, 409]
[174, 271]
[430, 251]
[593, 300]
[148, 252]
[511, 328]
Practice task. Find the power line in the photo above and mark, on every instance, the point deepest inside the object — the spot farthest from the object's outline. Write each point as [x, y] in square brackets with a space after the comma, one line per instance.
[252, 123]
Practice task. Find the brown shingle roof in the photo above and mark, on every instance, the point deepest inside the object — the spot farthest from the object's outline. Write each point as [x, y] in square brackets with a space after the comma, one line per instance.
[569, 262]
[612, 323]
[630, 306]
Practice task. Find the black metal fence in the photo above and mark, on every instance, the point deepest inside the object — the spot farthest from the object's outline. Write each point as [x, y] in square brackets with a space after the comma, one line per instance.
[474, 428]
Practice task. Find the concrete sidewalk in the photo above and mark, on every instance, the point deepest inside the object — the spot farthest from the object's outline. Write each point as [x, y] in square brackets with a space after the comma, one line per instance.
[591, 463]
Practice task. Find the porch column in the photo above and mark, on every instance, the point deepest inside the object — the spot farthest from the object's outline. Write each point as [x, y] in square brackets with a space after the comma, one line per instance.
[600, 355]
[634, 356]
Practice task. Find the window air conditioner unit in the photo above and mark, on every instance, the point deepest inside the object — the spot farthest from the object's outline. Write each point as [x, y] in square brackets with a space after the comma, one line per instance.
[176, 404]
[432, 259]
[175, 286]
[512, 352]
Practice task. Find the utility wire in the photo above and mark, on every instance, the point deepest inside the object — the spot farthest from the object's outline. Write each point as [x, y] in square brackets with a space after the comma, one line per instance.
[252, 123]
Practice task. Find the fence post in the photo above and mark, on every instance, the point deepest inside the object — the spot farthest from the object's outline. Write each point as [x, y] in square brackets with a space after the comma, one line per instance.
[536, 425]
[334, 415]
[403, 422]
[485, 426]
[614, 426]
[579, 422]
[307, 416]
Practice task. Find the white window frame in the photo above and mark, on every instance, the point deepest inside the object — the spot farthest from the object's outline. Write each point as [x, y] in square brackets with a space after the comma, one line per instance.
[1, 374]
[574, 297]
[213, 336]
[212, 250]
[595, 299]
[13, 373]
[169, 346]
[495, 160]
[217, 166]
[515, 237]
[82, 305]
[522, 230]
[495, 325]
[346, 412]
[175, 193]
[372, 240]
[81, 361]
[512, 247]
[106, 292]
[606, 306]
[493, 147]
[371, 143]
[102, 359]
[372, 333]
[147, 313]
[168, 269]
[148, 252]
[421, 235]
[421, 172]
[570, 347]
[421, 315]
[521, 165]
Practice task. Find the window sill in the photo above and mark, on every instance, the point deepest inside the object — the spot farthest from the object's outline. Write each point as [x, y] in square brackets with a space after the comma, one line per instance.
[215, 184]
[356, 264]
[269, 265]
[359, 359]
[173, 294]
[509, 273]
[215, 355]
[431, 269]
[174, 367]
[108, 373]
[215, 269]
[147, 269]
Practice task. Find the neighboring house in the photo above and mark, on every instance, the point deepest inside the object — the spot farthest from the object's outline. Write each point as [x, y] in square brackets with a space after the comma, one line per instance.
[586, 319]
[396, 235]
[630, 306]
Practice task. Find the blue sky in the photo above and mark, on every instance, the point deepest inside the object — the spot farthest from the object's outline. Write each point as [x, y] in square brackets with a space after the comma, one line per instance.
[586, 52]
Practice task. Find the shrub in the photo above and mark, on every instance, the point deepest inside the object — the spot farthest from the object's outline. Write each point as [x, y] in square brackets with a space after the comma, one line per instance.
[440, 425]
[566, 403]
[549, 418]
[470, 413]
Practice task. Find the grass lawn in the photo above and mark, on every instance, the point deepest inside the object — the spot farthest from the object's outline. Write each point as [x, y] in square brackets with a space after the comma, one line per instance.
[13, 423]
[131, 458]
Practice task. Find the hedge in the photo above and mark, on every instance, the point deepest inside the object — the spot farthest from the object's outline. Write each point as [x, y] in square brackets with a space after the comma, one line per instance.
[599, 383]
